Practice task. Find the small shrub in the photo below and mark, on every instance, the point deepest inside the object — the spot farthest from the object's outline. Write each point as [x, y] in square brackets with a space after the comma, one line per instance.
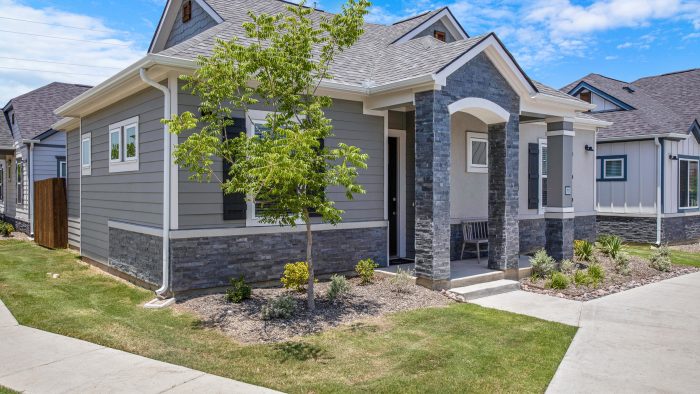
[296, 276]
[365, 268]
[581, 278]
[402, 282]
[558, 281]
[542, 264]
[583, 250]
[622, 263]
[6, 229]
[239, 291]
[338, 288]
[661, 259]
[596, 273]
[567, 266]
[282, 307]
[610, 245]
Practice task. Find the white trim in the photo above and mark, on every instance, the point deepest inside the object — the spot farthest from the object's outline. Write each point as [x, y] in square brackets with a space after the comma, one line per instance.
[605, 176]
[86, 169]
[669, 136]
[174, 168]
[487, 111]
[556, 133]
[542, 143]
[697, 197]
[559, 210]
[168, 20]
[477, 137]
[123, 164]
[401, 177]
[452, 26]
[135, 228]
[234, 231]
[559, 215]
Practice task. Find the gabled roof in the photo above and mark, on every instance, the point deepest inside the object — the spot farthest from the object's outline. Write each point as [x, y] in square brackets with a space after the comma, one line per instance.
[34, 110]
[648, 116]
[6, 140]
[680, 91]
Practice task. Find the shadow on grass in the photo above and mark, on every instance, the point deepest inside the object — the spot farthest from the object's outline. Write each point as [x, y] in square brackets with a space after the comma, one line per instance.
[301, 351]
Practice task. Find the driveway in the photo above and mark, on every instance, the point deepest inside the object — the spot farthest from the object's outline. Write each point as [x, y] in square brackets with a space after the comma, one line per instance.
[642, 340]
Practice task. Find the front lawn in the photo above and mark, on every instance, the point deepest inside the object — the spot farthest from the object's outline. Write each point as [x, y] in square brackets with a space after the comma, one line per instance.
[680, 257]
[460, 348]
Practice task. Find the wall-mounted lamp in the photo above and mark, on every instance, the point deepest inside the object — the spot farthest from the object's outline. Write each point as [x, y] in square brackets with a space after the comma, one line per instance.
[672, 157]
[589, 148]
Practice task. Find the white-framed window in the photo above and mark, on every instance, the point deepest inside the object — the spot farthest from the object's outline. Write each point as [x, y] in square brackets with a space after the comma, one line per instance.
[61, 167]
[477, 152]
[688, 183]
[613, 168]
[544, 162]
[86, 154]
[124, 145]
[20, 181]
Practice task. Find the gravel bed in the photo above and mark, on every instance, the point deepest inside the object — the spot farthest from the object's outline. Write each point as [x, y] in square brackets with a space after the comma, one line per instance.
[692, 248]
[243, 321]
[640, 274]
[17, 236]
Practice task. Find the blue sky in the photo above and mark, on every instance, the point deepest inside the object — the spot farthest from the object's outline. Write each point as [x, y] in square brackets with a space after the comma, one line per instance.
[556, 41]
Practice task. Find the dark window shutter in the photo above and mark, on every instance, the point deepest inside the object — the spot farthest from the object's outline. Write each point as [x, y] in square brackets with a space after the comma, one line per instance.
[313, 213]
[533, 178]
[234, 204]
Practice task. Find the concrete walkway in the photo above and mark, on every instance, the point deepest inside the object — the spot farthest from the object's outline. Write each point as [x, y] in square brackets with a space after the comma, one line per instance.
[642, 340]
[35, 361]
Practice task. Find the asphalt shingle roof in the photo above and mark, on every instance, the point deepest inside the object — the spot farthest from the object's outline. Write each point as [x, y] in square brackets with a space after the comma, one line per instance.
[652, 113]
[34, 110]
[5, 133]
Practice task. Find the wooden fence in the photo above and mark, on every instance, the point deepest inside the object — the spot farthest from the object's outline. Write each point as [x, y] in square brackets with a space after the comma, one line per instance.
[51, 213]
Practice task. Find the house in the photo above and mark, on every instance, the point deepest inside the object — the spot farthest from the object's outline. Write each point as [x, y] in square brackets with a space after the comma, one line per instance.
[30, 150]
[454, 129]
[647, 161]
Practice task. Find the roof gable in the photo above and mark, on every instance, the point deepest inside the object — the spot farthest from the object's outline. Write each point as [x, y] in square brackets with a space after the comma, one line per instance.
[583, 85]
[444, 16]
[171, 19]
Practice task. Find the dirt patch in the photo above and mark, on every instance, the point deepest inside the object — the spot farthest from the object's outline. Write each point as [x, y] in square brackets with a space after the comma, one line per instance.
[691, 248]
[243, 322]
[640, 274]
[17, 236]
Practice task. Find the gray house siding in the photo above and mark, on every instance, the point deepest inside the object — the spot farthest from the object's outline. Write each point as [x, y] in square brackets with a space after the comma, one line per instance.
[439, 26]
[182, 31]
[134, 197]
[201, 204]
[45, 156]
[73, 187]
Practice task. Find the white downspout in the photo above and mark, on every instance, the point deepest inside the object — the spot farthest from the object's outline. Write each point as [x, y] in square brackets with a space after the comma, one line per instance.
[658, 190]
[167, 113]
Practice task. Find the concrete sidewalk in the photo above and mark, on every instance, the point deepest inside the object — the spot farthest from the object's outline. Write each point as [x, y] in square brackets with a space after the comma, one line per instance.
[35, 361]
[642, 340]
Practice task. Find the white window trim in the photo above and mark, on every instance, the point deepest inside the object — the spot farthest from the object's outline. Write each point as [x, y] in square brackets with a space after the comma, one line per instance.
[477, 168]
[86, 169]
[63, 163]
[688, 180]
[123, 164]
[19, 181]
[622, 167]
[542, 142]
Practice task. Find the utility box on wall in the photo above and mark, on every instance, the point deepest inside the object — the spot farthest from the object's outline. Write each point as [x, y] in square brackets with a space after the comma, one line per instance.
[51, 213]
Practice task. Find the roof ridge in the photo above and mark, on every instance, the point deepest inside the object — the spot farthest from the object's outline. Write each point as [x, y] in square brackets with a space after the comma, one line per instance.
[410, 18]
[669, 73]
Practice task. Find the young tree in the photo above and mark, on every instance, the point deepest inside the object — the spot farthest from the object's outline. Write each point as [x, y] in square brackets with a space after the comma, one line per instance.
[285, 163]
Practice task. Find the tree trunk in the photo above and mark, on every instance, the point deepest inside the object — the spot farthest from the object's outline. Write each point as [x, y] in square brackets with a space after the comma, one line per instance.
[309, 260]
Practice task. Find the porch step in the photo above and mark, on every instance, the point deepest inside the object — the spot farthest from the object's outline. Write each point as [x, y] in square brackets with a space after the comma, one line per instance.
[482, 290]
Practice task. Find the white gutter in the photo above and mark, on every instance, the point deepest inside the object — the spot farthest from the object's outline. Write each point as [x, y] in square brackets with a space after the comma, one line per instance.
[167, 113]
[30, 179]
[659, 158]
[673, 136]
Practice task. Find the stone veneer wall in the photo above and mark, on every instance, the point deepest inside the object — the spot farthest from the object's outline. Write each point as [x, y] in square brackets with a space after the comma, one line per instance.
[585, 228]
[201, 263]
[19, 225]
[532, 235]
[630, 229]
[680, 229]
[137, 255]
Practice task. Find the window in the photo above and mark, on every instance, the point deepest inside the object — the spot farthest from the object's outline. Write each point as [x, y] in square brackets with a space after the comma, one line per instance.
[86, 154]
[544, 161]
[440, 35]
[123, 146]
[186, 11]
[61, 167]
[477, 152]
[20, 182]
[688, 183]
[613, 168]
[585, 96]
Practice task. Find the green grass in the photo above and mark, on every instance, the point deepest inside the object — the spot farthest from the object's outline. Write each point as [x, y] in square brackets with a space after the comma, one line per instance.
[677, 256]
[461, 348]
[5, 390]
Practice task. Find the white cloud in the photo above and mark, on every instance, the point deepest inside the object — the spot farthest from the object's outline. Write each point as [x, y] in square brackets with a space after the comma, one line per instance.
[611, 58]
[691, 36]
[82, 44]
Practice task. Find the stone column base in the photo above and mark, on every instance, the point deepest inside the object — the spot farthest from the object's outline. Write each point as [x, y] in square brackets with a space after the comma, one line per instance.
[433, 284]
[512, 274]
[560, 238]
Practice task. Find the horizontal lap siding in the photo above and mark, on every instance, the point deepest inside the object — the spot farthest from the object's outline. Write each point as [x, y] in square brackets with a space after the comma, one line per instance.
[46, 163]
[136, 196]
[201, 205]
[73, 186]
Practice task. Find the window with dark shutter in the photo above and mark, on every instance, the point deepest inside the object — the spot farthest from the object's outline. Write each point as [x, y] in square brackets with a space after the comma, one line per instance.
[234, 204]
[533, 179]
[186, 11]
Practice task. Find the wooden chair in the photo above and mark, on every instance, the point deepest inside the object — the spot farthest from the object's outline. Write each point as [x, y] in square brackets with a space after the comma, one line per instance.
[475, 233]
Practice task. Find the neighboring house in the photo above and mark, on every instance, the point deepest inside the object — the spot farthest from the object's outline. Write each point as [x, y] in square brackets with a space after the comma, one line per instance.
[454, 130]
[30, 150]
[647, 188]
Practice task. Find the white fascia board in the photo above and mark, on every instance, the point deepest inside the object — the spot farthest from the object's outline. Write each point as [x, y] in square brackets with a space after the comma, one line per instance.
[674, 136]
[569, 102]
[66, 124]
[591, 122]
[452, 26]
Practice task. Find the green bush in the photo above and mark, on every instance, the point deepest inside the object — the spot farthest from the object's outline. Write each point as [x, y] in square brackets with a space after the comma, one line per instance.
[661, 259]
[558, 281]
[610, 245]
[596, 273]
[296, 276]
[239, 291]
[583, 250]
[365, 268]
[567, 266]
[542, 264]
[338, 288]
[402, 282]
[581, 278]
[282, 307]
[622, 263]
[6, 229]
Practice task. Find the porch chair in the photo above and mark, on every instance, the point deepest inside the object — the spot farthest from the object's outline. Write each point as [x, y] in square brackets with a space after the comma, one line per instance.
[475, 233]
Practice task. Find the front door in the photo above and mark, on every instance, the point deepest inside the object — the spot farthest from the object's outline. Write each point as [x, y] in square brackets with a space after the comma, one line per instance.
[393, 198]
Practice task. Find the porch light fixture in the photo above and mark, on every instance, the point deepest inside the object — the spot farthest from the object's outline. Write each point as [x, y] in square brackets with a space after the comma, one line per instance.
[672, 157]
[589, 148]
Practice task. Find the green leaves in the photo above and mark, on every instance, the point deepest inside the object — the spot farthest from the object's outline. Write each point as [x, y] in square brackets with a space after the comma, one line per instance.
[278, 66]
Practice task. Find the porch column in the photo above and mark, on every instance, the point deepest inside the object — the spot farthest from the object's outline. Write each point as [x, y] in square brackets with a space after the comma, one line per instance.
[504, 234]
[432, 186]
[559, 213]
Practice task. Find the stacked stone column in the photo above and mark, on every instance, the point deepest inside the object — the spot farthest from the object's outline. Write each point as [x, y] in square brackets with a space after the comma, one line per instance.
[559, 213]
[432, 185]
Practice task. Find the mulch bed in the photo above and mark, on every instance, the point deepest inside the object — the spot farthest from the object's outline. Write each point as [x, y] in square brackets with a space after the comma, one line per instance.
[640, 274]
[243, 322]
